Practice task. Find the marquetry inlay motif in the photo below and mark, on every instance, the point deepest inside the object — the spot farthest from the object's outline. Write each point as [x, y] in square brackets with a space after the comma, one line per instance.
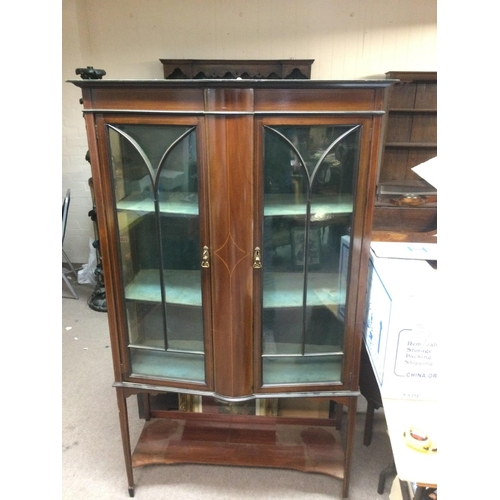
[230, 254]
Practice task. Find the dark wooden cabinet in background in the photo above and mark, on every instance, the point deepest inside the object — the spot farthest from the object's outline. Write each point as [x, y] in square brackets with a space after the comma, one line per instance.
[410, 139]
[234, 225]
[237, 68]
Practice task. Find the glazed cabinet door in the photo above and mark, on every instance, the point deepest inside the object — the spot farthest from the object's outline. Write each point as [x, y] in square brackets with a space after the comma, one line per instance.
[310, 171]
[156, 178]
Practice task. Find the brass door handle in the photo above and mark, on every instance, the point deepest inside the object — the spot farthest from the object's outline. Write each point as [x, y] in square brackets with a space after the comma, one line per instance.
[205, 258]
[257, 262]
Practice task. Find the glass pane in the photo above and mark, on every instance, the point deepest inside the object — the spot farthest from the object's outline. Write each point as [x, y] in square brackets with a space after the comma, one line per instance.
[156, 188]
[308, 202]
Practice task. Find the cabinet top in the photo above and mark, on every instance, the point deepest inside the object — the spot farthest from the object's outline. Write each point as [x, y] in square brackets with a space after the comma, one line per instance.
[408, 76]
[235, 83]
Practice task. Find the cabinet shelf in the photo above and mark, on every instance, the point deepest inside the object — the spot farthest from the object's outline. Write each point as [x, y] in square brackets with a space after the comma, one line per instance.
[275, 205]
[308, 445]
[183, 287]
[299, 369]
[289, 204]
[175, 204]
[163, 364]
[283, 290]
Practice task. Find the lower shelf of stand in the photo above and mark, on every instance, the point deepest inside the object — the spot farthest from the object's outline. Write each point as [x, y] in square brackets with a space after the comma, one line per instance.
[308, 445]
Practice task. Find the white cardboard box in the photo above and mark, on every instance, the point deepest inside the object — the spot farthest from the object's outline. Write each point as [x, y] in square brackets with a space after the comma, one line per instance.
[400, 324]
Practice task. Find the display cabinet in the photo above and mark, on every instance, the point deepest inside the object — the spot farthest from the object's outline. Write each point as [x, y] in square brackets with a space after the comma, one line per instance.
[234, 220]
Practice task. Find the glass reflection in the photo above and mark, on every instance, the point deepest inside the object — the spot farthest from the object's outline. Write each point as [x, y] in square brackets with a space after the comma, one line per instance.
[309, 176]
[156, 190]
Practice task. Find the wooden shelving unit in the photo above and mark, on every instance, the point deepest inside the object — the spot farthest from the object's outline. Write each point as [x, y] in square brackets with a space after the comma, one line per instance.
[411, 130]
[410, 139]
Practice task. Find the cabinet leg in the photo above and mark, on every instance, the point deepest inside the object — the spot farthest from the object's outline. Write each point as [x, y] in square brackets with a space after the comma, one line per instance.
[351, 423]
[123, 413]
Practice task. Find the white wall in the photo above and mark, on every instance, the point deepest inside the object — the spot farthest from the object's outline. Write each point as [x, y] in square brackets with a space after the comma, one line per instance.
[347, 39]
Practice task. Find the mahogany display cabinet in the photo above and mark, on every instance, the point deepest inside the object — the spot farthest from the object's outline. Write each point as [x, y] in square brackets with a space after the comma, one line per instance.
[234, 226]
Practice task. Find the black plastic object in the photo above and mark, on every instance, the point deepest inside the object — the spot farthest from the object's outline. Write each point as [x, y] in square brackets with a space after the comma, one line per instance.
[89, 73]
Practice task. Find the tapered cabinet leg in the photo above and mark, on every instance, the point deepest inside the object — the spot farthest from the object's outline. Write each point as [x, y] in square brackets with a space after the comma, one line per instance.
[351, 423]
[124, 427]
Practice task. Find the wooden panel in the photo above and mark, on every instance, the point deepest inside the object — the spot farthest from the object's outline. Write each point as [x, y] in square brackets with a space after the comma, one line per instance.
[394, 165]
[402, 96]
[103, 195]
[229, 100]
[230, 169]
[316, 100]
[426, 96]
[413, 76]
[420, 219]
[399, 128]
[309, 445]
[424, 128]
[154, 99]
[360, 235]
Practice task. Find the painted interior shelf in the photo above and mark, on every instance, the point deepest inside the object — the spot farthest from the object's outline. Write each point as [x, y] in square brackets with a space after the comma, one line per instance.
[185, 366]
[285, 290]
[190, 366]
[274, 205]
[290, 205]
[315, 368]
[183, 287]
[173, 203]
[281, 289]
